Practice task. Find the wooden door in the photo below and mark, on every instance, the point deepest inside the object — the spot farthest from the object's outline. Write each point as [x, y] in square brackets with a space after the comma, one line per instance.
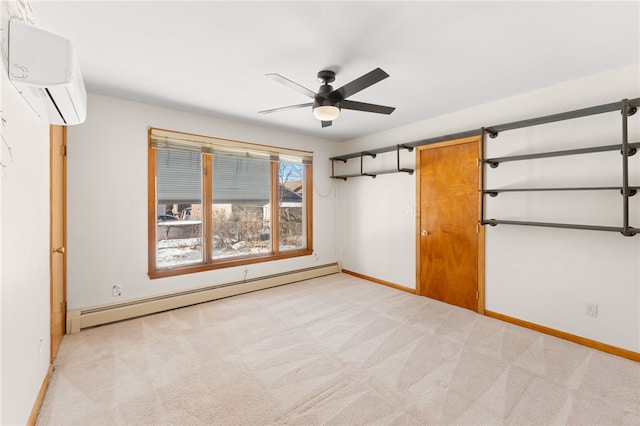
[449, 236]
[58, 231]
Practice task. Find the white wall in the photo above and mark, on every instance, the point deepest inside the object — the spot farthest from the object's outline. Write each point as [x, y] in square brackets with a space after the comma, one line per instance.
[107, 202]
[540, 275]
[24, 244]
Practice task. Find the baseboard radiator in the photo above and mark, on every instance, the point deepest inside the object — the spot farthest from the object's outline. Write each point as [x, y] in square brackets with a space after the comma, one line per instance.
[85, 318]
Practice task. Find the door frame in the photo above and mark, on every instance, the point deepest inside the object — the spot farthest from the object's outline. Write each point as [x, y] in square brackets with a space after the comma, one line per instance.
[481, 234]
[52, 244]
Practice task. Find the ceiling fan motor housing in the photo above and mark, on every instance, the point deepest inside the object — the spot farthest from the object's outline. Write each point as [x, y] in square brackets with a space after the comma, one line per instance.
[323, 99]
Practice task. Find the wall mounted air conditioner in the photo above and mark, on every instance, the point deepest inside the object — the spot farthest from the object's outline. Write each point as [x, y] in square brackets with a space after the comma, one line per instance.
[45, 70]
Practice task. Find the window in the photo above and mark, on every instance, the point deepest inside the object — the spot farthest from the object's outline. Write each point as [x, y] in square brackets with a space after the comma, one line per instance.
[215, 203]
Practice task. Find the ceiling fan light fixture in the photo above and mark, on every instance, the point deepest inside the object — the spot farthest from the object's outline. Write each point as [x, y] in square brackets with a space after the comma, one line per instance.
[326, 112]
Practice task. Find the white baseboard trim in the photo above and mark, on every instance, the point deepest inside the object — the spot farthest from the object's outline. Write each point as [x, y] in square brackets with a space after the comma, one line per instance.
[78, 319]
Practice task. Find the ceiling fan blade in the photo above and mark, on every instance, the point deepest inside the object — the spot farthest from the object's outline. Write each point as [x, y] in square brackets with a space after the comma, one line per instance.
[361, 106]
[359, 84]
[295, 86]
[326, 124]
[269, 111]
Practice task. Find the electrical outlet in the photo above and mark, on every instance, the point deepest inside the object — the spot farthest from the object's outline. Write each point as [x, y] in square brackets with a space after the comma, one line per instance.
[591, 310]
[116, 290]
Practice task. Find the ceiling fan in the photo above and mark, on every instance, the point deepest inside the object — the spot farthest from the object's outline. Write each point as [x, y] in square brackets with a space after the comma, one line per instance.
[327, 103]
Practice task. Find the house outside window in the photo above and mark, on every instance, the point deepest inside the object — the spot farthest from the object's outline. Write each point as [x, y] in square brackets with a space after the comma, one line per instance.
[215, 203]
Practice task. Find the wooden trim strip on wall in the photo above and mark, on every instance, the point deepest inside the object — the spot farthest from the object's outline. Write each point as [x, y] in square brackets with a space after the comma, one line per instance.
[38, 402]
[481, 230]
[375, 280]
[152, 208]
[614, 350]
[308, 199]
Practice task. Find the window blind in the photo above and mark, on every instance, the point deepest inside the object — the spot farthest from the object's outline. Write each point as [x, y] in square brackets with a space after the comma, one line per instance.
[179, 141]
[178, 177]
[241, 181]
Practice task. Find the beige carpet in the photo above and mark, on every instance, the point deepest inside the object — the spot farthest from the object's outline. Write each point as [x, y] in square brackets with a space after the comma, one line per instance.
[333, 350]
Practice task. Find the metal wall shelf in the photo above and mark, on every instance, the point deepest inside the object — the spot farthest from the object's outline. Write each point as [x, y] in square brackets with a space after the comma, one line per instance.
[631, 150]
[630, 230]
[494, 192]
[410, 145]
[626, 108]
[493, 131]
[372, 154]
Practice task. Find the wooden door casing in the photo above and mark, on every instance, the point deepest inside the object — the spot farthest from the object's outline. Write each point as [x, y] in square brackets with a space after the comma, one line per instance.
[450, 244]
[58, 237]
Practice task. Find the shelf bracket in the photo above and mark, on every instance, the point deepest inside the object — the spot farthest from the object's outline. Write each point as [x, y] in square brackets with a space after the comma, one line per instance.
[483, 144]
[492, 133]
[631, 151]
[333, 172]
[362, 173]
[626, 152]
[398, 148]
[632, 110]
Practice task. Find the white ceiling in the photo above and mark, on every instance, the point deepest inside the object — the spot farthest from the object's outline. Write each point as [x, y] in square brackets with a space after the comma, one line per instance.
[210, 57]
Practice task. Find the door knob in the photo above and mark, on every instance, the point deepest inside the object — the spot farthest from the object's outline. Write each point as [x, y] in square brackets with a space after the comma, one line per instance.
[424, 233]
[59, 250]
